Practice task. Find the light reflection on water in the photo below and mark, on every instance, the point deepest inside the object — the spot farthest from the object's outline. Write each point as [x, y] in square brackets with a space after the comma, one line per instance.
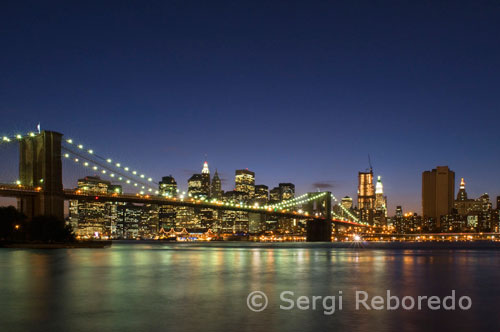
[193, 287]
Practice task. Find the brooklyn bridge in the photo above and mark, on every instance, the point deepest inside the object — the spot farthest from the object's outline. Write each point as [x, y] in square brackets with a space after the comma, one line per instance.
[39, 188]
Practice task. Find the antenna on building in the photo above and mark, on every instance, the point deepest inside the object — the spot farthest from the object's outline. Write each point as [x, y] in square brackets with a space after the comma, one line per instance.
[370, 162]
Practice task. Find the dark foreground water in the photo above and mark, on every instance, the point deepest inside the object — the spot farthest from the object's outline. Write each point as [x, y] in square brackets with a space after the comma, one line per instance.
[204, 287]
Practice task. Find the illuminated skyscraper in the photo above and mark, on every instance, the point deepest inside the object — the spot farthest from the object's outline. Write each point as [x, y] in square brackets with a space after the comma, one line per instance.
[168, 186]
[462, 194]
[261, 194]
[245, 183]
[287, 191]
[366, 196]
[205, 183]
[438, 192]
[380, 202]
[346, 202]
[274, 195]
[216, 191]
[94, 218]
[195, 186]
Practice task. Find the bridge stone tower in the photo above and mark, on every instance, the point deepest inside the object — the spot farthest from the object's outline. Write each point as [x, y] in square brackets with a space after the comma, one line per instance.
[40, 166]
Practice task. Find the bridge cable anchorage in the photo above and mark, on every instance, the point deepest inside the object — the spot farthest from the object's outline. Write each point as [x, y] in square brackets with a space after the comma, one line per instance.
[110, 161]
[96, 166]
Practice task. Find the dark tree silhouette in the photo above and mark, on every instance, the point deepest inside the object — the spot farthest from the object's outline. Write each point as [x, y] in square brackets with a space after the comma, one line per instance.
[14, 226]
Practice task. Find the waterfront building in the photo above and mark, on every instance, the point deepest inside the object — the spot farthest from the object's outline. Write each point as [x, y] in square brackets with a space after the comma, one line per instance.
[94, 218]
[129, 218]
[167, 217]
[438, 191]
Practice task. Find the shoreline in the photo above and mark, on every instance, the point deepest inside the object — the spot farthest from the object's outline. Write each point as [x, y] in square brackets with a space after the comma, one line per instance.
[67, 245]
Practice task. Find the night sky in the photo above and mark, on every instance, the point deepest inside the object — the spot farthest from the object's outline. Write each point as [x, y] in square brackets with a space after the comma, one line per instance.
[297, 92]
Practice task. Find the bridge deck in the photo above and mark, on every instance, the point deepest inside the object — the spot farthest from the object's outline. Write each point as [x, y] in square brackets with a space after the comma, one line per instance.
[70, 194]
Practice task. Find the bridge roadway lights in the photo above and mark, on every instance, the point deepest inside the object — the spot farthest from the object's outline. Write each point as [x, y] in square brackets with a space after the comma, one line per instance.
[40, 166]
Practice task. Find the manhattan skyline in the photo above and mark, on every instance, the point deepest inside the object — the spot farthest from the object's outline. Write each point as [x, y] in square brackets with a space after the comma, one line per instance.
[302, 100]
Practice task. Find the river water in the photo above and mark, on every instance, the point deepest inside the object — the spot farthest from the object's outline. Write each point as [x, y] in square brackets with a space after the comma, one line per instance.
[204, 287]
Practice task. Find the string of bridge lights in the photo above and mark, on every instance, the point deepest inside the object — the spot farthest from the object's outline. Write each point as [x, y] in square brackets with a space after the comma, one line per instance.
[348, 212]
[7, 139]
[293, 201]
[117, 177]
[110, 161]
[300, 200]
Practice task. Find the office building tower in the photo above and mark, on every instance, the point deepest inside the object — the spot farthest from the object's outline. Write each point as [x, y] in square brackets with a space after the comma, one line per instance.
[195, 186]
[462, 194]
[346, 202]
[438, 192]
[366, 196]
[274, 195]
[216, 187]
[380, 203]
[287, 191]
[94, 218]
[168, 186]
[245, 183]
[205, 183]
[261, 194]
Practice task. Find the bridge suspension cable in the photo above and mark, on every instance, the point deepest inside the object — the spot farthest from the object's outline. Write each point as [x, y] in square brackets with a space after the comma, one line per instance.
[305, 198]
[91, 153]
[98, 167]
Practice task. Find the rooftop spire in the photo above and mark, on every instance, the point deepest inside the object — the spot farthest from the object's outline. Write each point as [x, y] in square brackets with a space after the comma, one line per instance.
[205, 169]
[379, 187]
[462, 184]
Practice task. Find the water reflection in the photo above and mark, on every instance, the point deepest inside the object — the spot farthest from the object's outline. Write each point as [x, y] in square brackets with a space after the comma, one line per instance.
[204, 287]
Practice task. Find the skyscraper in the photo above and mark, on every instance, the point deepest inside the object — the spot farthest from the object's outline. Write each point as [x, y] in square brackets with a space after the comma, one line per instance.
[366, 196]
[287, 191]
[438, 191]
[261, 194]
[216, 188]
[462, 194]
[245, 182]
[274, 195]
[94, 217]
[168, 186]
[195, 186]
[380, 202]
[463, 204]
[346, 202]
[380, 199]
[205, 183]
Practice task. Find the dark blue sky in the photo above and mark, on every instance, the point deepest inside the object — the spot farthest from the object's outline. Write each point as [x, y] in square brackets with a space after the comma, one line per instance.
[296, 91]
